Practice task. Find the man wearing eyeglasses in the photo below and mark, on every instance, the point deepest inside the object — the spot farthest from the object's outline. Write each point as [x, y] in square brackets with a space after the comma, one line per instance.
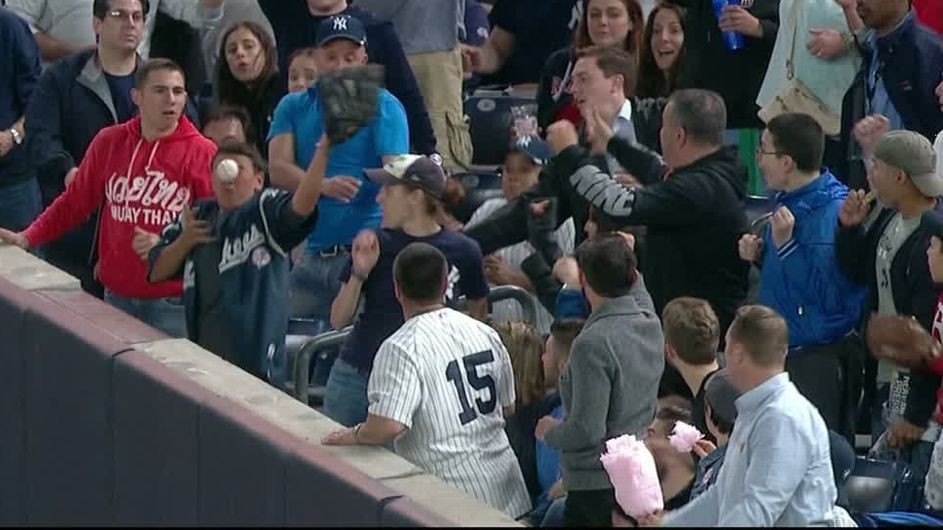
[800, 275]
[64, 27]
[75, 99]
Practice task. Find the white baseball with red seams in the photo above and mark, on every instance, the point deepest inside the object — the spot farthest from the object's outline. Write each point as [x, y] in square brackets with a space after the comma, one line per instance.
[227, 170]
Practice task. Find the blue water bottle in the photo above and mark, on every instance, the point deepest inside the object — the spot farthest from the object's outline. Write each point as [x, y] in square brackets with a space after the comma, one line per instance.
[732, 39]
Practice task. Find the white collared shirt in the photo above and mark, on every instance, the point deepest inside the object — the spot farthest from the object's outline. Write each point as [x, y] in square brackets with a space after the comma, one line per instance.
[622, 127]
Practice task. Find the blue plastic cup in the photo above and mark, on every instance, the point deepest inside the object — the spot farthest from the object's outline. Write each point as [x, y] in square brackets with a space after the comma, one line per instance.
[732, 39]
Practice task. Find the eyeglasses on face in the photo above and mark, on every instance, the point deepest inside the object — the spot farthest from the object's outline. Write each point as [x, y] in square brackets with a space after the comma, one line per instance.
[760, 152]
[136, 17]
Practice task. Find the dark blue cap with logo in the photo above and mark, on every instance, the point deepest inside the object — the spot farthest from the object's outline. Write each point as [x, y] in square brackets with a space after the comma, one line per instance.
[533, 146]
[341, 27]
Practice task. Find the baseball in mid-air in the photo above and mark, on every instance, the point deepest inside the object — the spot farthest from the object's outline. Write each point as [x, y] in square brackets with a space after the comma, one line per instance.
[227, 170]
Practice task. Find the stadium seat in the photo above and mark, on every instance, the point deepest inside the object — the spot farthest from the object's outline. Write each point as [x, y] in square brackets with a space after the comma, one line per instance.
[879, 486]
[885, 519]
[489, 113]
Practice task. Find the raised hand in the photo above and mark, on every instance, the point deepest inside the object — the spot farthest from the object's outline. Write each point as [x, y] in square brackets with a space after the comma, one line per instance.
[855, 209]
[195, 232]
[869, 131]
[750, 247]
[826, 43]
[364, 253]
[560, 135]
[598, 131]
[782, 224]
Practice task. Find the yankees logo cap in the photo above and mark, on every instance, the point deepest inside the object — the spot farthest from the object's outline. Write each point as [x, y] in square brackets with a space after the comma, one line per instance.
[418, 170]
[341, 27]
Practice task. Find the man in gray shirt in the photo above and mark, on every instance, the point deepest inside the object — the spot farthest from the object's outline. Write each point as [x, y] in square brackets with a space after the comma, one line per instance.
[777, 470]
[610, 385]
[64, 27]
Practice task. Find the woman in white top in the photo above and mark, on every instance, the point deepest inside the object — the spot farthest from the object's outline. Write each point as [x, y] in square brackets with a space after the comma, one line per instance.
[825, 58]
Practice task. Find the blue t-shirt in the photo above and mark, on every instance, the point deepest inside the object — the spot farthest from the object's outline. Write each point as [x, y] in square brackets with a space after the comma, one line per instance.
[382, 315]
[387, 133]
[120, 87]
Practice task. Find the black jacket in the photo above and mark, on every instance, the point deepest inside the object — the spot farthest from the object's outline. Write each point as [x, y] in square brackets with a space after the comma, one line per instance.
[295, 28]
[695, 218]
[915, 294]
[735, 75]
[912, 69]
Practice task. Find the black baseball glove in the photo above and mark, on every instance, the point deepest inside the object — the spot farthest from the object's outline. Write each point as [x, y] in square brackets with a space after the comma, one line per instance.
[349, 99]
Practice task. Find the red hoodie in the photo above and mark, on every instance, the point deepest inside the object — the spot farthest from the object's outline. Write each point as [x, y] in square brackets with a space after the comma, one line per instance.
[930, 12]
[167, 174]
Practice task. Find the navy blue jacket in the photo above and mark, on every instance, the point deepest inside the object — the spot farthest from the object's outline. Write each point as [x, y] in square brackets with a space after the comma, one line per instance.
[253, 276]
[913, 67]
[295, 28]
[802, 280]
[19, 70]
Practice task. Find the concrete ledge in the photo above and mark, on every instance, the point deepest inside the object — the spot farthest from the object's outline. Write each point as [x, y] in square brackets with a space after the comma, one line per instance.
[28, 272]
[282, 410]
[216, 377]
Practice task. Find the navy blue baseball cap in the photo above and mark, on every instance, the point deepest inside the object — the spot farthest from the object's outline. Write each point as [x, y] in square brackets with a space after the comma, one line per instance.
[533, 146]
[341, 27]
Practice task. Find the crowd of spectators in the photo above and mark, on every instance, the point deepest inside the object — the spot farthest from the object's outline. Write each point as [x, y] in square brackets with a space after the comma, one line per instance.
[709, 205]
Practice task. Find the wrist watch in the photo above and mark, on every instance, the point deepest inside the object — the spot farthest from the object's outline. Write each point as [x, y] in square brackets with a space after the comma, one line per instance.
[17, 139]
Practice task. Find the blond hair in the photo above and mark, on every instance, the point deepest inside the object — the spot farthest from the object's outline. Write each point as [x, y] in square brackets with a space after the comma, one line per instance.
[525, 347]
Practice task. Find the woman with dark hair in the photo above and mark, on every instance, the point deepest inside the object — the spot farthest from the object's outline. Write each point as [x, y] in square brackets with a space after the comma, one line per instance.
[662, 52]
[248, 78]
[604, 23]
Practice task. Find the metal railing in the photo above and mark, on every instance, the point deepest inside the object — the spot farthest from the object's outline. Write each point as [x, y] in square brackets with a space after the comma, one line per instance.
[302, 368]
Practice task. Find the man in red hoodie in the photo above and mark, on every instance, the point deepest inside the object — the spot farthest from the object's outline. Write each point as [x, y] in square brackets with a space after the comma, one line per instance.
[142, 173]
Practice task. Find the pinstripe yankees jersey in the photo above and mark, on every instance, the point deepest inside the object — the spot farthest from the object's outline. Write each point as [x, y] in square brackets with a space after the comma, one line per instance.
[447, 378]
[514, 255]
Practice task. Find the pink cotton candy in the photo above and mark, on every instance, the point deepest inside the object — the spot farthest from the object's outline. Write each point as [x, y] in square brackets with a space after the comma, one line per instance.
[684, 437]
[631, 470]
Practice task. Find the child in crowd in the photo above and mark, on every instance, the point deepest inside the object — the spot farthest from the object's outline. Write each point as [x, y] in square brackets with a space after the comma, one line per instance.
[512, 265]
[525, 348]
[302, 69]
[720, 413]
[227, 124]
[548, 508]
[232, 254]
